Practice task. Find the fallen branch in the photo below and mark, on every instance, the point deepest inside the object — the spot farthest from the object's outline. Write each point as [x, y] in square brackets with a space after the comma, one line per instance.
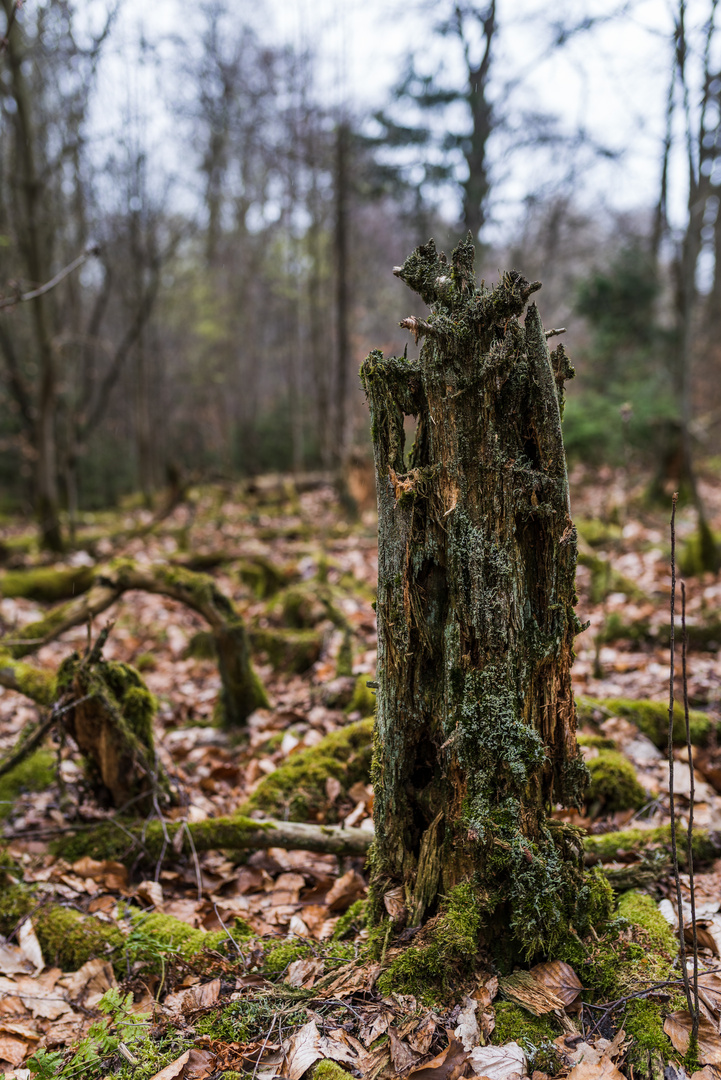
[237, 833]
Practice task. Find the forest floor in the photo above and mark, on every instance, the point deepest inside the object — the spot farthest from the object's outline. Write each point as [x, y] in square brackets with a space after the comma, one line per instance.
[283, 987]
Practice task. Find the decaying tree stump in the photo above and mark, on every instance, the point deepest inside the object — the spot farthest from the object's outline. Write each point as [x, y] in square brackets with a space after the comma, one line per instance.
[476, 718]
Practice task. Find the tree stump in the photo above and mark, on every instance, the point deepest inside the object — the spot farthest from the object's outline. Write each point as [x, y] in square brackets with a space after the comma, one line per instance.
[476, 719]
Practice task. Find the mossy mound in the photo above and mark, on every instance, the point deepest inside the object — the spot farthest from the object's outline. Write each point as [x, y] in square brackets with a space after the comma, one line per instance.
[598, 533]
[47, 583]
[606, 580]
[613, 785]
[201, 646]
[444, 952]
[650, 717]
[35, 773]
[298, 788]
[700, 553]
[535, 1034]
[635, 951]
[352, 921]
[303, 606]
[288, 650]
[599, 742]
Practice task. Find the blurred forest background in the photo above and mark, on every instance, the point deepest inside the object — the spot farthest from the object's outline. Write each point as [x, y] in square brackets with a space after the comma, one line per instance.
[223, 207]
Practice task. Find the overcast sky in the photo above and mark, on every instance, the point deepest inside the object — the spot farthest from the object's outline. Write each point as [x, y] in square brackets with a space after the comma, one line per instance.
[612, 81]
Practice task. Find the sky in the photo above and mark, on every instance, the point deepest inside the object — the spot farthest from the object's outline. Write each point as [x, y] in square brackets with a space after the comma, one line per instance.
[612, 81]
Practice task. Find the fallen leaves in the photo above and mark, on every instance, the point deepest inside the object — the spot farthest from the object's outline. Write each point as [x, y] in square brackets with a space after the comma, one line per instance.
[678, 1027]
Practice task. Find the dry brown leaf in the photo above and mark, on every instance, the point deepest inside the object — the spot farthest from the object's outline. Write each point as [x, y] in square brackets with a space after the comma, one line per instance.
[13, 960]
[467, 1029]
[175, 1069]
[448, 1065]
[151, 892]
[302, 1050]
[112, 875]
[678, 1028]
[603, 1069]
[333, 788]
[39, 995]
[194, 997]
[421, 1038]
[402, 1056]
[394, 903]
[499, 1062]
[28, 942]
[303, 973]
[346, 890]
[13, 1050]
[200, 1063]
[353, 979]
[341, 1047]
[560, 978]
[93, 978]
[523, 989]
[709, 1072]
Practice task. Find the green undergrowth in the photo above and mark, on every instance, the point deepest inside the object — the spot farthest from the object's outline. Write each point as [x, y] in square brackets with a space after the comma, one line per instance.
[109, 1044]
[613, 785]
[650, 717]
[352, 921]
[249, 1018]
[298, 788]
[700, 553]
[598, 533]
[363, 699]
[35, 773]
[328, 1070]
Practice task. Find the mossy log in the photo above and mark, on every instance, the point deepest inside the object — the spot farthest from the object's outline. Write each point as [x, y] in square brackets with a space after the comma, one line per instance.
[46, 583]
[242, 691]
[650, 717]
[630, 844]
[476, 622]
[38, 684]
[238, 833]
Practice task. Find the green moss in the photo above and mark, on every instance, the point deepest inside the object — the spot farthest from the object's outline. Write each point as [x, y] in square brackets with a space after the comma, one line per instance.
[146, 661]
[650, 717]
[616, 629]
[598, 533]
[351, 922]
[298, 788]
[247, 1019]
[607, 845]
[364, 698]
[597, 741]
[202, 646]
[171, 935]
[66, 937]
[329, 1070]
[700, 552]
[288, 650]
[35, 773]
[262, 576]
[641, 909]
[614, 785]
[35, 683]
[534, 1033]
[47, 583]
[277, 957]
[447, 949]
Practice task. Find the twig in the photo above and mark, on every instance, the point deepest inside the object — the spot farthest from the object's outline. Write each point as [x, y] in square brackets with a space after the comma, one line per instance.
[692, 794]
[672, 804]
[219, 917]
[265, 1043]
[555, 333]
[196, 863]
[26, 746]
[20, 297]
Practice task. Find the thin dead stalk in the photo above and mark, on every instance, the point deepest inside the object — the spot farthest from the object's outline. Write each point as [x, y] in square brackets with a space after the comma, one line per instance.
[671, 798]
[692, 795]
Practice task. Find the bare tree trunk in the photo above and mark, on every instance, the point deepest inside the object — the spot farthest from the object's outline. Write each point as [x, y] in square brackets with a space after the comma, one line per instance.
[341, 297]
[476, 589]
[36, 256]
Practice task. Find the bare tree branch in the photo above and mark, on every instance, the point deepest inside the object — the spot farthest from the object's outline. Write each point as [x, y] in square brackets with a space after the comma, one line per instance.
[20, 297]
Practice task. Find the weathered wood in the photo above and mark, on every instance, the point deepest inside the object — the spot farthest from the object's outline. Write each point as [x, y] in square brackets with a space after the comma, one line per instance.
[476, 590]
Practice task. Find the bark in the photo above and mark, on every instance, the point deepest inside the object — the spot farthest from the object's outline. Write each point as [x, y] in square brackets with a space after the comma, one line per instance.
[242, 691]
[477, 553]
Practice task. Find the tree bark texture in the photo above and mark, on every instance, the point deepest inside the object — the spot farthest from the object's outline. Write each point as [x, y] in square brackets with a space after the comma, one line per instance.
[476, 589]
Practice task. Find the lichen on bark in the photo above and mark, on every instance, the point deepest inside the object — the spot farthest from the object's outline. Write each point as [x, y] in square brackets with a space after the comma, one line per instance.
[476, 590]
